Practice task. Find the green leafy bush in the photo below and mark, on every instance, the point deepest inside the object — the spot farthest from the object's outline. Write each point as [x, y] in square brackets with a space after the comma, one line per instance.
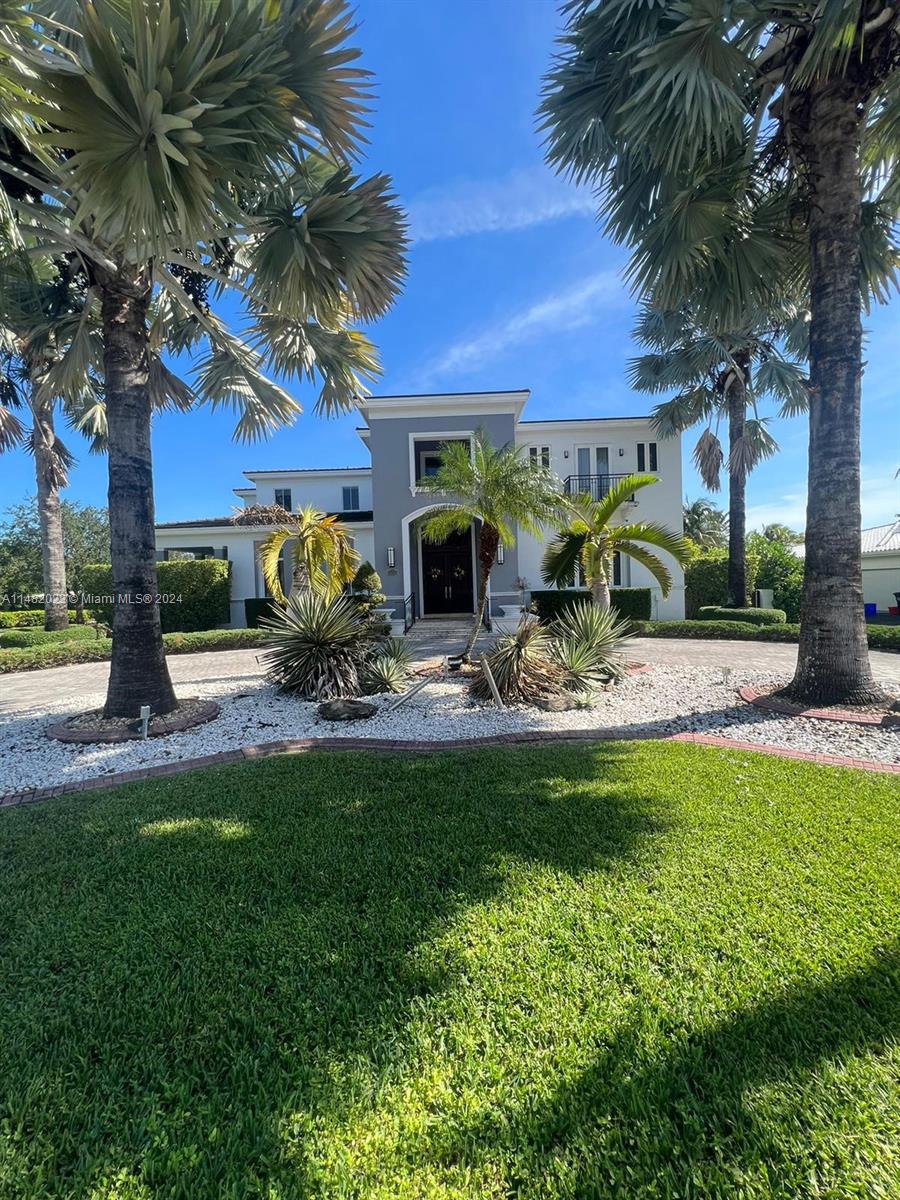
[633, 603]
[63, 654]
[782, 571]
[20, 639]
[199, 591]
[257, 607]
[317, 647]
[749, 616]
[28, 618]
[523, 666]
[706, 579]
[589, 644]
[880, 637]
[366, 588]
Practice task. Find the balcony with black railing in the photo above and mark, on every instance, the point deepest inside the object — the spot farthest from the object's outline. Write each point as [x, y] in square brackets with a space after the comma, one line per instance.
[595, 486]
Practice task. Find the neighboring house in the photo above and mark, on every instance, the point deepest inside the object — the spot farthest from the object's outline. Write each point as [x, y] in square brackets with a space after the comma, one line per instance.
[881, 565]
[385, 509]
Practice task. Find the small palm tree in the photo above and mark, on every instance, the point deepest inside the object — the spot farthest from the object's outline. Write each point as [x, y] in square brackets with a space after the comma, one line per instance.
[324, 560]
[498, 490]
[704, 524]
[590, 541]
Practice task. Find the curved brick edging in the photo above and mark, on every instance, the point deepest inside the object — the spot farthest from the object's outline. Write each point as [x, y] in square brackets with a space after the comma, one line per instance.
[178, 721]
[306, 745]
[787, 708]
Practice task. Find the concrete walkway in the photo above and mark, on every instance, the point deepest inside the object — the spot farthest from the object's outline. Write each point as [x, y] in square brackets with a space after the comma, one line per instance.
[85, 683]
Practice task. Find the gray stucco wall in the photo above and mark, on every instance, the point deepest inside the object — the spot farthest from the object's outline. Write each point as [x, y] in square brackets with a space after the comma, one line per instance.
[393, 500]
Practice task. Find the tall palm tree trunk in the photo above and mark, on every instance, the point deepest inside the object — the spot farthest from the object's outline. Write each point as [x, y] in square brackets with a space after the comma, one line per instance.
[488, 541]
[737, 494]
[833, 660]
[138, 672]
[53, 561]
[600, 596]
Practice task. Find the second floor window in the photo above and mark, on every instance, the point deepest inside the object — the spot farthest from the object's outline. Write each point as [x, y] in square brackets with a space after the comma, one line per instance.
[539, 456]
[283, 498]
[351, 499]
[646, 456]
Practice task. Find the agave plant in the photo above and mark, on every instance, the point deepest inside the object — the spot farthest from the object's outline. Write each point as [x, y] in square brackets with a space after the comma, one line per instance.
[317, 646]
[523, 665]
[387, 669]
[588, 642]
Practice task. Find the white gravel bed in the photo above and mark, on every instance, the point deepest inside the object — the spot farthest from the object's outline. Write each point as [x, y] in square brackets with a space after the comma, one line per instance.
[666, 699]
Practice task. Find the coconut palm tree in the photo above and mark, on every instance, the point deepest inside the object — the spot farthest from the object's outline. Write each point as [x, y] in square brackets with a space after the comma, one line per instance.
[498, 490]
[729, 137]
[324, 560]
[589, 541]
[41, 308]
[704, 524]
[201, 137]
[718, 376]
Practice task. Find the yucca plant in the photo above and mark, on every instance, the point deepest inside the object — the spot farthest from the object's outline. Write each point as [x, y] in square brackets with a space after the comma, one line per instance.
[523, 665]
[589, 643]
[388, 668]
[317, 646]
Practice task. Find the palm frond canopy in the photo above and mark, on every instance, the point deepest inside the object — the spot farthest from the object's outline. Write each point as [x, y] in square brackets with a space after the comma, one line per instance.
[204, 144]
[498, 487]
[322, 554]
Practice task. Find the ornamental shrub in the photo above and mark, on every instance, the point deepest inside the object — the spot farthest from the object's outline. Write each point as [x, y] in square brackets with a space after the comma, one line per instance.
[706, 579]
[751, 616]
[632, 603]
[195, 593]
[28, 618]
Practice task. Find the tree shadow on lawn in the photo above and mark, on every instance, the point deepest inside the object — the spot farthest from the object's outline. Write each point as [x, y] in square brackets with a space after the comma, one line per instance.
[730, 1111]
[189, 962]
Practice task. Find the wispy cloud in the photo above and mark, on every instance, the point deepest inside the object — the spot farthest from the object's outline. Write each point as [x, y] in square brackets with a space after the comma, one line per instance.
[563, 311]
[525, 197]
[879, 496]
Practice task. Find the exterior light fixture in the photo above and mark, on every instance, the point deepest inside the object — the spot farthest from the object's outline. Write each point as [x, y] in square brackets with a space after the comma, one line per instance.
[391, 557]
[501, 553]
[621, 452]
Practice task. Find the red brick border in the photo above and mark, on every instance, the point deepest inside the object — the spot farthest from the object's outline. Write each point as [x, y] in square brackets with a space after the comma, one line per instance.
[306, 745]
[788, 708]
[173, 722]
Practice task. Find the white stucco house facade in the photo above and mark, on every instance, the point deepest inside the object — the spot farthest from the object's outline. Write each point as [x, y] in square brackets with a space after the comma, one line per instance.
[881, 566]
[384, 508]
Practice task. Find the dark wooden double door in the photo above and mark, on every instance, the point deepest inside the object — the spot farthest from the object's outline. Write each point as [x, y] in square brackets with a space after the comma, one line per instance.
[447, 575]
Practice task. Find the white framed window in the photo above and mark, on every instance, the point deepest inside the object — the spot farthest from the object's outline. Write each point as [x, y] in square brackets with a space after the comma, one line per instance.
[283, 498]
[539, 456]
[647, 458]
[425, 451]
[351, 499]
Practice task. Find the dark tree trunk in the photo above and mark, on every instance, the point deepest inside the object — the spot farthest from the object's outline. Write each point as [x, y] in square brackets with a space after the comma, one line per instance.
[833, 660]
[737, 495]
[488, 541]
[138, 672]
[53, 561]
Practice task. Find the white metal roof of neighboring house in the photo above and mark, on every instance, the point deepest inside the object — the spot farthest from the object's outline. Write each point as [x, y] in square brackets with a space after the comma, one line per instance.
[882, 539]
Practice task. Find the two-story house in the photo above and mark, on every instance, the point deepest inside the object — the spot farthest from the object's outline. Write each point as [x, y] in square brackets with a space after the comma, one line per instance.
[385, 509]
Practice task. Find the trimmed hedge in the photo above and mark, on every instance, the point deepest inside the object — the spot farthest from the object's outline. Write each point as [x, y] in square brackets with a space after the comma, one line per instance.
[63, 654]
[750, 616]
[28, 618]
[634, 603]
[200, 590]
[257, 607]
[20, 639]
[880, 637]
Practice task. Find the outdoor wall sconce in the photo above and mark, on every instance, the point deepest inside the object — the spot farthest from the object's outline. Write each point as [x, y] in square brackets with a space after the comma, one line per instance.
[621, 452]
[391, 557]
[565, 454]
[501, 553]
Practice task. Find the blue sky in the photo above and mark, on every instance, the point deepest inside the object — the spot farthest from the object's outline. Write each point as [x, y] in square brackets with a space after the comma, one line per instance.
[510, 282]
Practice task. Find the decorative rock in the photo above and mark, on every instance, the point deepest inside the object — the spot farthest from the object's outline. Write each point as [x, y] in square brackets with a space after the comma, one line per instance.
[347, 710]
[564, 702]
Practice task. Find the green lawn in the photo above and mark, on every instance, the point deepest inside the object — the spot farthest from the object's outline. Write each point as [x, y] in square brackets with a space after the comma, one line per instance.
[635, 971]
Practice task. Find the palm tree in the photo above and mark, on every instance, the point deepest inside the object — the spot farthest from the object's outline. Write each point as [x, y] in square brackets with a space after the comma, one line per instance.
[722, 141]
[324, 560]
[589, 542]
[498, 490]
[704, 524]
[41, 308]
[203, 138]
[718, 376]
